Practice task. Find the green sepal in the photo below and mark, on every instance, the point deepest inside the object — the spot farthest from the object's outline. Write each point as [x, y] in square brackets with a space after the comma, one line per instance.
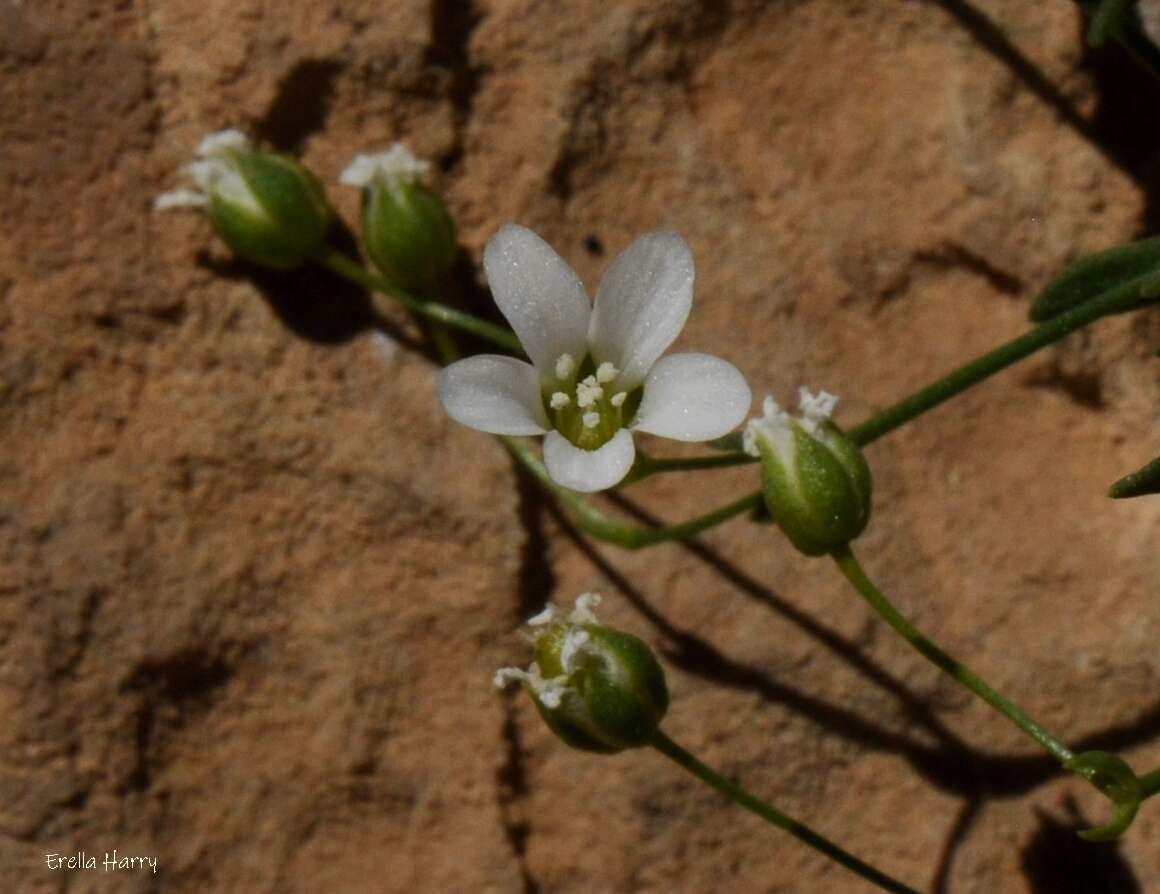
[819, 495]
[1117, 781]
[1132, 270]
[290, 223]
[409, 234]
[615, 700]
[1138, 484]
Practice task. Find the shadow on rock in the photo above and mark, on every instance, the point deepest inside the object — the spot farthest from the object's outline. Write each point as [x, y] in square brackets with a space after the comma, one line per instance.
[1057, 861]
[313, 303]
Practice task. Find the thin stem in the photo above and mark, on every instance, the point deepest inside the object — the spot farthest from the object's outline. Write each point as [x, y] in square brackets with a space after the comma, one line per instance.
[348, 268]
[1150, 783]
[601, 526]
[772, 815]
[852, 569]
[646, 466]
[950, 385]
[990, 363]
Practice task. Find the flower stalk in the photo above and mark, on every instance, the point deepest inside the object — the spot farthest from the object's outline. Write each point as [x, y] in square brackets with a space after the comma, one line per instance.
[348, 268]
[851, 568]
[599, 525]
[775, 817]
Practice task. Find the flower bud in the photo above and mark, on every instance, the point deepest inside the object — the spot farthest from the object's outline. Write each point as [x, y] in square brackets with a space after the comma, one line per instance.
[598, 689]
[817, 483]
[407, 229]
[267, 207]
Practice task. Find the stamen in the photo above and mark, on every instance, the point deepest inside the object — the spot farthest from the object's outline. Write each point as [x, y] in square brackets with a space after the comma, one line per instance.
[588, 392]
[592, 419]
[550, 692]
[606, 372]
[506, 675]
[544, 617]
[815, 408]
[619, 398]
[559, 400]
[564, 366]
[582, 613]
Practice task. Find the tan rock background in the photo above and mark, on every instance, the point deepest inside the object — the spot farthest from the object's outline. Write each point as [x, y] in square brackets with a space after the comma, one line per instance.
[253, 584]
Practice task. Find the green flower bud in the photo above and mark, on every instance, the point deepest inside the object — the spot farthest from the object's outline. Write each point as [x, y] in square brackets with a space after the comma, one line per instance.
[817, 483]
[407, 229]
[267, 207]
[597, 688]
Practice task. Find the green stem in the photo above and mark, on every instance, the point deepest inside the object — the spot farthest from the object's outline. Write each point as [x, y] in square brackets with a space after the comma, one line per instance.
[990, 363]
[348, 268]
[646, 466]
[1150, 783]
[956, 382]
[601, 526]
[852, 569]
[772, 815]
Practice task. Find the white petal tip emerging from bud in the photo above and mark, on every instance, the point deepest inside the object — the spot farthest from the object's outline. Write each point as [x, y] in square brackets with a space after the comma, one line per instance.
[815, 408]
[180, 198]
[772, 422]
[583, 612]
[215, 144]
[549, 692]
[506, 675]
[396, 165]
[547, 616]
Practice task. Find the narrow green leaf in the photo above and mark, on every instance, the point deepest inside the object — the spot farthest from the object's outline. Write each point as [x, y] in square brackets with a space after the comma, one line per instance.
[1142, 481]
[1107, 19]
[1132, 268]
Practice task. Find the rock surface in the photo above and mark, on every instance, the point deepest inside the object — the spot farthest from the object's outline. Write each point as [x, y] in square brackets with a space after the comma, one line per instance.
[253, 584]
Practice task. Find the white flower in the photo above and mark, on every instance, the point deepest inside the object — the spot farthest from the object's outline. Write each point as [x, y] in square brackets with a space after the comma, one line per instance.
[595, 376]
[213, 171]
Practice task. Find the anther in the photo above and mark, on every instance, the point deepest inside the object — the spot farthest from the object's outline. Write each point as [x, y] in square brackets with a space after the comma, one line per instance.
[559, 400]
[606, 372]
[564, 366]
[619, 398]
[591, 420]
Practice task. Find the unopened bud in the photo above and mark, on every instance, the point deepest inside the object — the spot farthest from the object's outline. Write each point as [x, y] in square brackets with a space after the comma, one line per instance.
[817, 483]
[267, 207]
[407, 229]
[597, 688]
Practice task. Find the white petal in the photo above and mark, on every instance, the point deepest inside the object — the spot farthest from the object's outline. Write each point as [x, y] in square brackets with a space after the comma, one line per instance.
[692, 397]
[642, 305]
[539, 294]
[495, 394]
[588, 470]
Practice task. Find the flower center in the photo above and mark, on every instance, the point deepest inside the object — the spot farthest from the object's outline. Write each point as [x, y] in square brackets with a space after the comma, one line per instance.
[584, 404]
